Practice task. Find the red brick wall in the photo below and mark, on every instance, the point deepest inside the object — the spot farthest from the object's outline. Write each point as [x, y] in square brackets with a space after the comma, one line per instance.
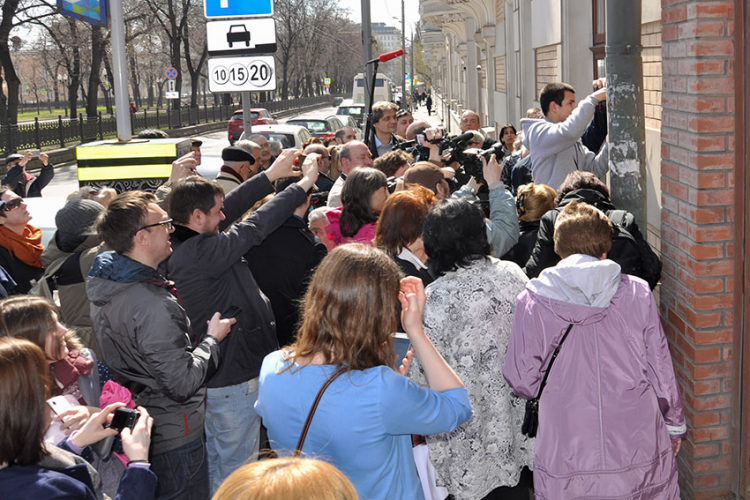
[698, 230]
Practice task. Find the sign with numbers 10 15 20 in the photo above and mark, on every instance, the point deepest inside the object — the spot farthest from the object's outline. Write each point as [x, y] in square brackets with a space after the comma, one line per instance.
[241, 74]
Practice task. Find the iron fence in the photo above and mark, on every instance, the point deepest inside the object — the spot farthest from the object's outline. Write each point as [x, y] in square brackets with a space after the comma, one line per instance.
[62, 132]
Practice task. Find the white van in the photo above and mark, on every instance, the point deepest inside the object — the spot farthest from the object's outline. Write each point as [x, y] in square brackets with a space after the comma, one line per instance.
[383, 90]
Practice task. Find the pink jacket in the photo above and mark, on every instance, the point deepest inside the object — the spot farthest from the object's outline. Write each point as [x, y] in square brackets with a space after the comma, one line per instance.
[366, 233]
[611, 402]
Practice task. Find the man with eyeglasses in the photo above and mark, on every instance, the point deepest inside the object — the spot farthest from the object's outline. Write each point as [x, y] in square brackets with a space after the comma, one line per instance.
[20, 243]
[148, 343]
[324, 182]
[23, 183]
[210, 272]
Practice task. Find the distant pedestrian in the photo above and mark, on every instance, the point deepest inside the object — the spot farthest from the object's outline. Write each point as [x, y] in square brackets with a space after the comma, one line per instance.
[428, 103]
[23, 183]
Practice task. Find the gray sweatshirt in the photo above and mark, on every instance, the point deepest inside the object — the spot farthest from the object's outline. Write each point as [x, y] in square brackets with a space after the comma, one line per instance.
[556, 148]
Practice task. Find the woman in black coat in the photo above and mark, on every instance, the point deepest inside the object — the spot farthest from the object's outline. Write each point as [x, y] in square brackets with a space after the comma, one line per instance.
[629, 249]
[532, 202]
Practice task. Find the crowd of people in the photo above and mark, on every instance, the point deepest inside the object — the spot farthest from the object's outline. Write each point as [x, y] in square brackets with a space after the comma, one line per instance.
[241, 337]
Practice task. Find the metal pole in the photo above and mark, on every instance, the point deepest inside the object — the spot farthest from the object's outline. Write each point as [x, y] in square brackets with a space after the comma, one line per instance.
[246, 118]
[120, 69]
[625, 115]
[403, 59]
[366, 47]
[411, 68]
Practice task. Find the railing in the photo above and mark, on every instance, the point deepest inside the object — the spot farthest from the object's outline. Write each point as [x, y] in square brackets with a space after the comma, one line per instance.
[67, 132]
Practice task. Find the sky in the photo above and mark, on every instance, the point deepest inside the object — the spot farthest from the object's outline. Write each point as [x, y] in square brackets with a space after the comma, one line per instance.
[383, 11]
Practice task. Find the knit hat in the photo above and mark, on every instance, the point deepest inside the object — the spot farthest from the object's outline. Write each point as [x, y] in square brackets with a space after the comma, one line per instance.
[77, 216]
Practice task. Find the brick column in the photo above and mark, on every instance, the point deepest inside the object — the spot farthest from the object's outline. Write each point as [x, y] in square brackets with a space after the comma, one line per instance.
[698, 171]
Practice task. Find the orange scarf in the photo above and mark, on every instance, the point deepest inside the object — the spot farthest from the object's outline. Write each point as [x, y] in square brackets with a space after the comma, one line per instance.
[26, 247]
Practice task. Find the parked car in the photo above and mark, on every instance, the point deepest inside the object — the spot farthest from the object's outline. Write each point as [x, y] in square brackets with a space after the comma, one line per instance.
[349, 121]
[258, 116]
[290, 136]
[322, 127]
[355, 110]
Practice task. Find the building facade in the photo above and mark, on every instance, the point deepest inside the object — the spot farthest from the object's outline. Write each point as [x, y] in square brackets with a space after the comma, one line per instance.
[494, 56]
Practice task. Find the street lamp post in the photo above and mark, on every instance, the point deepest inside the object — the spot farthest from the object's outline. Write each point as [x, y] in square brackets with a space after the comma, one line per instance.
[403, 59]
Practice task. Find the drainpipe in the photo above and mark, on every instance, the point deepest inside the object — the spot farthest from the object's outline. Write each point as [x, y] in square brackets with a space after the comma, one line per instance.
[625, 113]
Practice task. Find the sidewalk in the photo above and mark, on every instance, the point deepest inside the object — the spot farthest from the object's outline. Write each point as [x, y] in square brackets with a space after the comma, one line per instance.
[421, 114]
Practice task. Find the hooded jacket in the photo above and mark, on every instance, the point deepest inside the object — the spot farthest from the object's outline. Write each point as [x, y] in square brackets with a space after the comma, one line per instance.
[78, 253]
[612, 401]
[556, 148]
[145, 338]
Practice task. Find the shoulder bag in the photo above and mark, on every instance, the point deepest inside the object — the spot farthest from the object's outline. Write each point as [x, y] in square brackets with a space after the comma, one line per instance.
[310, 415]
[531, 417]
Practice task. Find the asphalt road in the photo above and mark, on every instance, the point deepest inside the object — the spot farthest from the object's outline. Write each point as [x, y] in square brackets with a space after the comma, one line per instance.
[66, 180]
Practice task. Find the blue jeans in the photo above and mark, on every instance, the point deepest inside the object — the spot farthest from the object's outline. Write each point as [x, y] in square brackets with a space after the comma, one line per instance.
[182, 473]
[232, 429]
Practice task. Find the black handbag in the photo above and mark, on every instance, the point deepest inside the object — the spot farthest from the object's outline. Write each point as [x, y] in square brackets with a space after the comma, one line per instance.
[531, 417]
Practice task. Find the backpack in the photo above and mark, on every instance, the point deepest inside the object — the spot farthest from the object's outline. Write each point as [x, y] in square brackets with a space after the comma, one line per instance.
[41, 287]
[631, 251]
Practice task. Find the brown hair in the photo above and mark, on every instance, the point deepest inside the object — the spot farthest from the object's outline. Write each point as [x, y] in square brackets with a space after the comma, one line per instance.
[582, 228]
[334, 171]
[402, 218]
[349, 310]
[578, 179]
[124, 216]
[24, 388]
[534, 200]
[3, 189]
[28, 317]
[191, 193]
[287, 478]
[390, 162]
[379, 109]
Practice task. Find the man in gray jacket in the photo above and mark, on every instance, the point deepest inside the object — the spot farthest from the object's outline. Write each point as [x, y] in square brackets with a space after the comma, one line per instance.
[555, 142]
[208, 267]
[147, 341]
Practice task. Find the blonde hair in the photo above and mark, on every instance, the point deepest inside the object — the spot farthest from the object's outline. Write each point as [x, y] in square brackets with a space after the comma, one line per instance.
[582, 228]
[533, 201]
[288, 479]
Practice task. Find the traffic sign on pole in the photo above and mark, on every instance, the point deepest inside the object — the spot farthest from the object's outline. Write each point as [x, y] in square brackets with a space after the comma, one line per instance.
[241, 37]
[170, 73]
[327, 81]
[241, 74]
[238, 8]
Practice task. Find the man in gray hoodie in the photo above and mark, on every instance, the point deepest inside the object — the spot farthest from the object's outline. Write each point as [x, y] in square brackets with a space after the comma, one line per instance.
[555, 142]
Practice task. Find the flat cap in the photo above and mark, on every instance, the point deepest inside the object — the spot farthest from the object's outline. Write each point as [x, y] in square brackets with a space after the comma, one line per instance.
[233, 153]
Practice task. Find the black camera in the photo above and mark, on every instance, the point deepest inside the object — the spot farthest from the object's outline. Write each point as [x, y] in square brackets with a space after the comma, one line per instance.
[124, 417]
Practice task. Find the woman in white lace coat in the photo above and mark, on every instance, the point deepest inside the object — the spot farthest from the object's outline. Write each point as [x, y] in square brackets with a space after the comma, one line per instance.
[468, 316]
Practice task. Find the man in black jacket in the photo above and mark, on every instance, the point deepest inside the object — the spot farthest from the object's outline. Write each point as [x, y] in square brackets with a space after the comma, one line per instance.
[23, 183]
[283, 265]
[210, 273]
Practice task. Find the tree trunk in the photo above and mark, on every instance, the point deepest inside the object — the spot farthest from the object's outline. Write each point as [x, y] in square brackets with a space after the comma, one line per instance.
[97, 54]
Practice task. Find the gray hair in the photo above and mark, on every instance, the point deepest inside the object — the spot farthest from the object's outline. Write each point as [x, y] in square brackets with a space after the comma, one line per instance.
[317, 214]
[247, 145]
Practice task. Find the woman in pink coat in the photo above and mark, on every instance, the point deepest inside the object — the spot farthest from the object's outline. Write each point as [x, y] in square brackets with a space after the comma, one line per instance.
[611, 418]
[363, 197]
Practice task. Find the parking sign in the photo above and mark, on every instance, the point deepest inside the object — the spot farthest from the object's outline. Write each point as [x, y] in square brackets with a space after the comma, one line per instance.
[241, 37]
[241, 74]
[238, 8]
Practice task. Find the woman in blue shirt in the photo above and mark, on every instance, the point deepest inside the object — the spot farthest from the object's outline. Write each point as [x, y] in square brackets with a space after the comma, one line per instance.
[366, 416]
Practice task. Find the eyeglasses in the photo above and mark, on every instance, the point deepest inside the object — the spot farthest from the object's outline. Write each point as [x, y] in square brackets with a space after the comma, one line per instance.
[13, 204]
[167, 223]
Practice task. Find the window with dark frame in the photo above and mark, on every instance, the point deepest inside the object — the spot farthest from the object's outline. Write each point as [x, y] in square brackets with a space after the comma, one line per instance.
[599, 22]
